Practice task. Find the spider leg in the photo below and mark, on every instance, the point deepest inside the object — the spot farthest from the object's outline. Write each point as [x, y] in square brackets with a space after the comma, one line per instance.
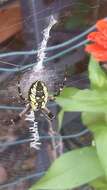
[28, 107]
[51, 97]
[49, 115]
[19, 91]
[17, 118]
[18, 85]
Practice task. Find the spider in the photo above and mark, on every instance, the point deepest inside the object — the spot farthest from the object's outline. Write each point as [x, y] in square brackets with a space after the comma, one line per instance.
[38, 97]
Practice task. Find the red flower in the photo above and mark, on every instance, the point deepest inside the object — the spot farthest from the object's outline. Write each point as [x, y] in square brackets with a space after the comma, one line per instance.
[99, 46]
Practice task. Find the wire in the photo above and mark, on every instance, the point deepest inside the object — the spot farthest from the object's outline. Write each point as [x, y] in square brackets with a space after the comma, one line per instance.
[8, 107]
[8, 63]
[48, 59]
[45, 138]
[32, 52]
[11, 107]
[22, 179]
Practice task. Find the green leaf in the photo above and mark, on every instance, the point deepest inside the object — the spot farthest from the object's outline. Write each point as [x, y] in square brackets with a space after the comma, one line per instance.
[83, 100]
[97, 76]
[101, 145]
[97, 123]
[71, 170]
[94, 121]
[68, 92]
[99, 184]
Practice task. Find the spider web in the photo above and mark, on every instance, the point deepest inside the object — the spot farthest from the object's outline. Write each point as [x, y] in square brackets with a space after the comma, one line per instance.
[13, 157]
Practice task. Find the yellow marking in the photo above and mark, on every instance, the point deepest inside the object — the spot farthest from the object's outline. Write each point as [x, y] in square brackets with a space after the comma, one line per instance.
[37, 98]
[34, 107]
[33, 96]
[32, 99]
[46, 92]
[46, 99]
[43, 104]
[33, 91]
[35, 85]
[45, 89]
[46, 95]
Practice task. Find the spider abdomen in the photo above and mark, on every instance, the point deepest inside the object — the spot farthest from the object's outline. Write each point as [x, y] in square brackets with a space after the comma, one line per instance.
[38, 95]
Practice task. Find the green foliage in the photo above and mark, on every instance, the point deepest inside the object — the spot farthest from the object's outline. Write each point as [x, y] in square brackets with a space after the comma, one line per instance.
[72, 169]
[97, 76]
[99, 184]
[83, 100]
[101, 145]
[94, 121]
[89, 119]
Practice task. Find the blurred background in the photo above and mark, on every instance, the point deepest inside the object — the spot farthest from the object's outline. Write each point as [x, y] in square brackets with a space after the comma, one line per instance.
[21, 29]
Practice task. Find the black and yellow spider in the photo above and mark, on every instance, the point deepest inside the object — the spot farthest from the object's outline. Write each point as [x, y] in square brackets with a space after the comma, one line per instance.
[37, 99]
[38, 96]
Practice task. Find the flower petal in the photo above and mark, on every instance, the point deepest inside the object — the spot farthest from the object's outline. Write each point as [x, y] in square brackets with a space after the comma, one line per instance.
[97, 51]
[99, 38]
[92, 36]
[101, 57]
[95, 48]
[101, 25]
[99, 48]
